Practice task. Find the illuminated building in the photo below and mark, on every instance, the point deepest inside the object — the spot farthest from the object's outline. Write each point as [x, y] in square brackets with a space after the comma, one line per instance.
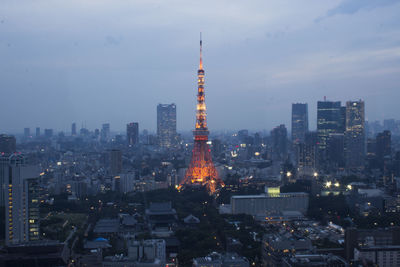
[306, 155]
[329, 120]
[299, 122]
[271, 202]
[166, 125]
[21, 200]
[201, 169]
[355, 135]
[132, 133]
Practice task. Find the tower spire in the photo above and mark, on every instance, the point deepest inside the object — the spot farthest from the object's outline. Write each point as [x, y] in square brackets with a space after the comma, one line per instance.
[201, 53]
[201, 169]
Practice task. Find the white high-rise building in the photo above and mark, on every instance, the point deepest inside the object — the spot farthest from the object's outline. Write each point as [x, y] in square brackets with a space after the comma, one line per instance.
[21, 198]
[166, 125]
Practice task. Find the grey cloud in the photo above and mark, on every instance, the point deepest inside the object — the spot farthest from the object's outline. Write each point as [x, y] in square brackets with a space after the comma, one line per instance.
[349, 7]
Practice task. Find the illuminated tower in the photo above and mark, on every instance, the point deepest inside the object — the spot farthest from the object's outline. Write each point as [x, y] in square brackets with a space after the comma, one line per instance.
[201, 169]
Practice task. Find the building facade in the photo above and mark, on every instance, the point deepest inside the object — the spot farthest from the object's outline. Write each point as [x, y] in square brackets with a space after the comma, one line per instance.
[21, 199]
[266, 204]
[355, 135]
[329, 120]
[299, 122]
[132, 133]
[166, 125]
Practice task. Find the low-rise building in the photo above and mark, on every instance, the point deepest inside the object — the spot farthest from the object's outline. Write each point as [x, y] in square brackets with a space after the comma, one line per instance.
[269, 203]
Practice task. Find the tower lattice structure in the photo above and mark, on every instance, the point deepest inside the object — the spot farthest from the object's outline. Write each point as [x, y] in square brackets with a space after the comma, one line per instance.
[201, 169]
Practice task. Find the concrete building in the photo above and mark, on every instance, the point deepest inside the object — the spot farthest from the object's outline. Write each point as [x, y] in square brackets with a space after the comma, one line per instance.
[300, 260]
[269, 203]
[132, 133]
[144, 253]
[73, 129]
[382, 256]
[115, 161]
[7, 144]
[21, 200]
[279, 142]
[105, 133]
[221, 260]
[358, 238]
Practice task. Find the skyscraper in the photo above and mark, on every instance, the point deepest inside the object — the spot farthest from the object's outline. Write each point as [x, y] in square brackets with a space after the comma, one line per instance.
[299, 122]
[383, 147]
[355, 135]
[105, 132]
[306, 155]
[73, 129]
[166, 124]
[279, 142]
[27, 132]
[328, 121]
[7, 144]
[201, 169]
[37, 131]
[21, 199]
[132, 133]
[115, 161]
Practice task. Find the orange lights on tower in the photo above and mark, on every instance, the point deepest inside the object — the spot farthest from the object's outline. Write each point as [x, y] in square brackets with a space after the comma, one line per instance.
[201, 171]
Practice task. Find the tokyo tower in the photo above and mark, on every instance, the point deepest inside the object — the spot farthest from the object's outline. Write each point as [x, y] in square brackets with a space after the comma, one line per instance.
[201, 171]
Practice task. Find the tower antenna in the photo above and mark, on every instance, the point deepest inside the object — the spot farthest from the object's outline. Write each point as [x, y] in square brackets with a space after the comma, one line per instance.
[201, 53]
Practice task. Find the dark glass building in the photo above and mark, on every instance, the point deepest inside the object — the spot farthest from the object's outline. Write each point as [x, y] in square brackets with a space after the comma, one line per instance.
[299, 122]
[132, 133]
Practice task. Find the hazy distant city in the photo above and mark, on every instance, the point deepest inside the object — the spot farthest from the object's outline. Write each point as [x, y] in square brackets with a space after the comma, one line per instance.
[128, 139]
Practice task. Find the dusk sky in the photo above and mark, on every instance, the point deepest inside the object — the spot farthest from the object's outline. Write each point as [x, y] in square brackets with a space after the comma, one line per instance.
[113, 61]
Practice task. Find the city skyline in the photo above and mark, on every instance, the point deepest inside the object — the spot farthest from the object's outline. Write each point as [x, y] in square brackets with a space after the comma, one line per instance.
[118, 73]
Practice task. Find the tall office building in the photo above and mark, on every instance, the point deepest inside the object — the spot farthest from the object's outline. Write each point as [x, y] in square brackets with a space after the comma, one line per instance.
[115, 161]
[7, 144]
[335, 151]
[132, 133]
[279, 142]
[37, 131]
[355, 135]
[27, 132]
[329, 120]
[383, 147]
[299, 122]
[21, 199]
[73, 129]
[105, 132]
[306, 155]
[166, 124]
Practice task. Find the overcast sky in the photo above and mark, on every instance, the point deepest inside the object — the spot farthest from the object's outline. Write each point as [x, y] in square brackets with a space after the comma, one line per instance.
[113, 61]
